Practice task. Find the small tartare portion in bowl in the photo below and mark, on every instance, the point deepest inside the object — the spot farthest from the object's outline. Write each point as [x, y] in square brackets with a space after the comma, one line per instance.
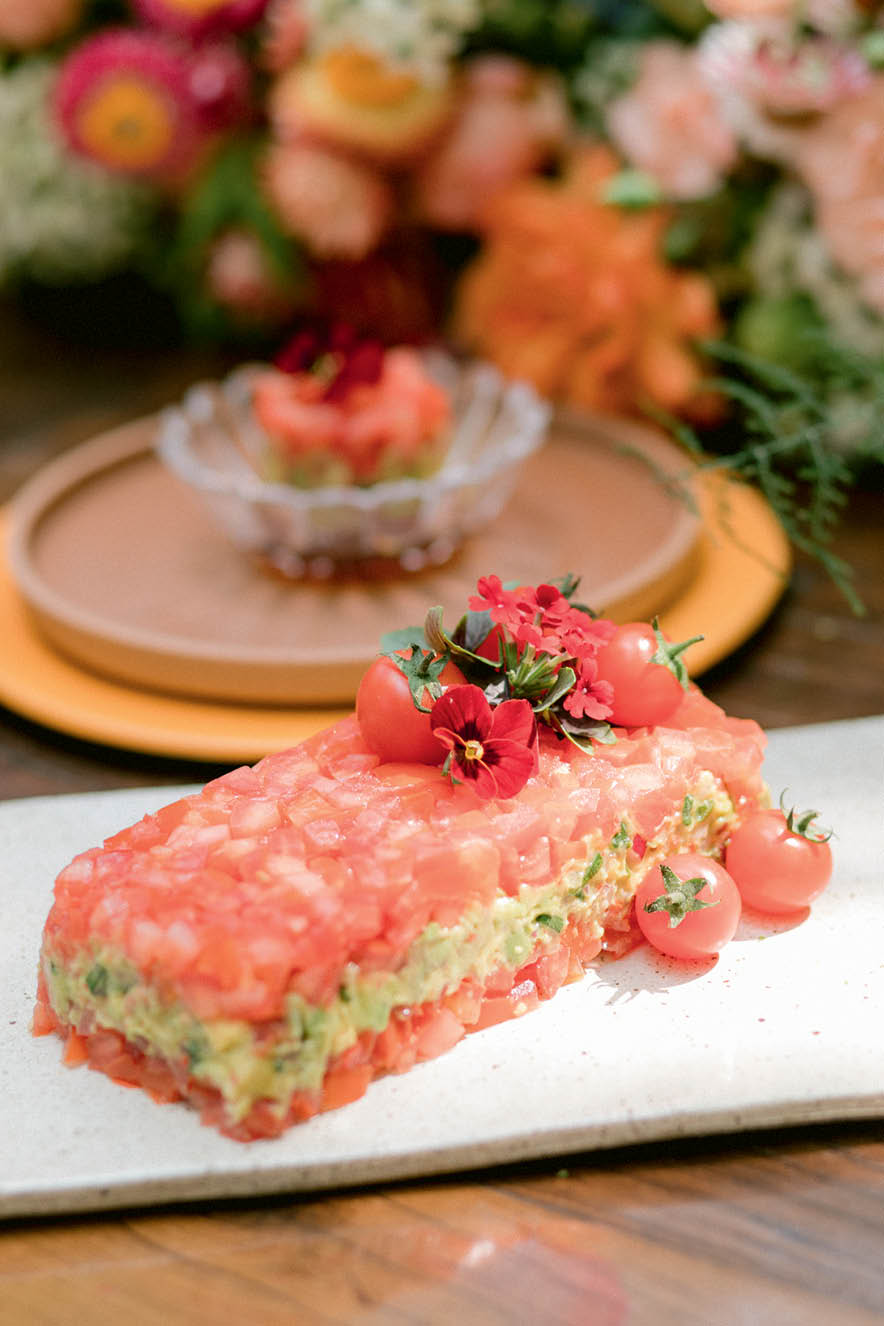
[344, 457]
[338, 409]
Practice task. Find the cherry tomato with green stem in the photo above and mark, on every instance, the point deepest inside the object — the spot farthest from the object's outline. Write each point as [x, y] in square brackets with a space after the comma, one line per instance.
[780, 862]
[390, 722]
[688, 906]
[646, 673]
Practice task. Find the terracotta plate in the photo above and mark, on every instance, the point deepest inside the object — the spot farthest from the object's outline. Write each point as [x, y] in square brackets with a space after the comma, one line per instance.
[125, 574]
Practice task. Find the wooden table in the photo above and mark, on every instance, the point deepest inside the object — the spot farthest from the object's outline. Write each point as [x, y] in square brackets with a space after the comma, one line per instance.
[783, 1227]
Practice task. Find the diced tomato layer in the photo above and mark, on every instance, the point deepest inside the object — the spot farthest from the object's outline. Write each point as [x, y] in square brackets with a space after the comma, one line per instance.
[272, 879]
[412, 1034]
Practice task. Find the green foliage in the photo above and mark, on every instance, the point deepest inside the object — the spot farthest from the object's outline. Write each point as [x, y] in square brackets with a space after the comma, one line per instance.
[226, 197]
[782, 436]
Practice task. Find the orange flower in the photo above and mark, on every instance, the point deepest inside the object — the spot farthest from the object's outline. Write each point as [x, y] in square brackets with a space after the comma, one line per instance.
[571, 293]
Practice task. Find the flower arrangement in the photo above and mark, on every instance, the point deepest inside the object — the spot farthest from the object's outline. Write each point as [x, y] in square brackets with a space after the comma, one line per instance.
[522, 657]
[659, 207]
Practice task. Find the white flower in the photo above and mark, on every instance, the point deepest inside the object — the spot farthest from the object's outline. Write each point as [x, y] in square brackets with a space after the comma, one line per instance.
[60, 217]
[421, 36]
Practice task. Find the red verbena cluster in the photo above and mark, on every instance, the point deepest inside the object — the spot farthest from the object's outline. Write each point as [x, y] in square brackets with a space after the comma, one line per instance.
[545, 619]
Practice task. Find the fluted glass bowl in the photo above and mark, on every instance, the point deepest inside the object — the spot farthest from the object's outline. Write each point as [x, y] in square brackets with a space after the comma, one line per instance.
[409, 522]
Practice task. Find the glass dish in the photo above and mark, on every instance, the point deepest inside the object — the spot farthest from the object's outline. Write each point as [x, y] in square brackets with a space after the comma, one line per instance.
[319, 532]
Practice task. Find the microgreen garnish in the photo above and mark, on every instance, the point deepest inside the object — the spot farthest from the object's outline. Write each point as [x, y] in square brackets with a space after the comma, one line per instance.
[96, 980]
[686, 807]
[623, 837]
[593, 868]
[800, 822]
[679, 897]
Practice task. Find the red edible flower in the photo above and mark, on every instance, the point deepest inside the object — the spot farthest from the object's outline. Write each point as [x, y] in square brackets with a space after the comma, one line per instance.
[590, 698]
[494, 750]
[337, 354]
[491, 597]
[582, 636]
[542, 617]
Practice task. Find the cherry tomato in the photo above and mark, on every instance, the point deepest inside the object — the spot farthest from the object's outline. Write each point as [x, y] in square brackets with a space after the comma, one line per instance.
[701, 933]
[390, 723]
[777, 869]
[645, 692]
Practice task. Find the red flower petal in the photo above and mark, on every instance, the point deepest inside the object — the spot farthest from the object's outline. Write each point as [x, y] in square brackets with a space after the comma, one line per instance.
[464, 711]
[492, 597]
[511, 765]
[589, 698]
[513, 720]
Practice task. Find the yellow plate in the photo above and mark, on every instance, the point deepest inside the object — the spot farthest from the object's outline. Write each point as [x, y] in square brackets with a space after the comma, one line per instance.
[736, 585]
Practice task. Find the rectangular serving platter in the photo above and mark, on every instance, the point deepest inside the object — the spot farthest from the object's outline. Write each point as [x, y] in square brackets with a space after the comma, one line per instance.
[783, 1028]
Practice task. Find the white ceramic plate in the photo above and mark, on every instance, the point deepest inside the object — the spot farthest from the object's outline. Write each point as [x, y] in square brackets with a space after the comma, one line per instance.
[784, 1028]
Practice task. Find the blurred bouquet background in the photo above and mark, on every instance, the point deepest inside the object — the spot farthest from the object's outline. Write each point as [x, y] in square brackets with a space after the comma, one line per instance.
[672, 209]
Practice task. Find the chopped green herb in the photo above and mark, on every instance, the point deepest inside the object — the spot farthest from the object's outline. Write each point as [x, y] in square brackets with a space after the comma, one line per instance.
[579, 893]
[704, 809]
[593, 868]
[556, 923]
[622, 838]
[686, 807]
[96, 980]
[195, 1050]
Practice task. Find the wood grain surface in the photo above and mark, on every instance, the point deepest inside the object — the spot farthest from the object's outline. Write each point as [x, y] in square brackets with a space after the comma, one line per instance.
[784, 1228]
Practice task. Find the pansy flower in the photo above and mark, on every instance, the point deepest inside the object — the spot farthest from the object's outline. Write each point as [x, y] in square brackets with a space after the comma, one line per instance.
[491, 750]
[122, 98]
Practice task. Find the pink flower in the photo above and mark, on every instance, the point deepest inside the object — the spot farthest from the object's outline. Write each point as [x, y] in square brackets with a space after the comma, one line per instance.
[491, 597]
[582, 636]
[671, 125]
[208, 18]
[220, 84]
[778, 72]
[28, 24]
[805, 76]
[510, 120]
[840, 159]
[287, 29]
[542, 617]
[492, 750]
[590, 697]
[122, 98]
[751, 9]
[338, 207]
[241, 278]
